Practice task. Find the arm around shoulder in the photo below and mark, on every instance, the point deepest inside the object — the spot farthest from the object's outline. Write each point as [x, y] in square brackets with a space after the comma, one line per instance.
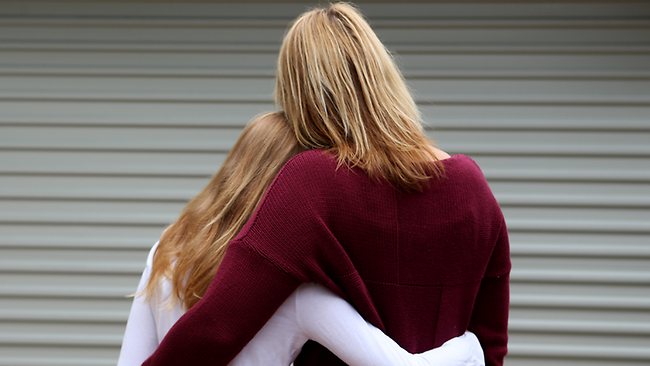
[278, 248]
[245, 292]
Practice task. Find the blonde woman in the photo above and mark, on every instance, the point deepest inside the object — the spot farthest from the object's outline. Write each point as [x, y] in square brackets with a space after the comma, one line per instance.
[413, 238]
[182, 263]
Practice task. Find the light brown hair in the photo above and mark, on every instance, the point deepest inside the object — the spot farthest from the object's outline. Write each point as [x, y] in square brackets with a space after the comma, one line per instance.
[340, 88]
[191, 249]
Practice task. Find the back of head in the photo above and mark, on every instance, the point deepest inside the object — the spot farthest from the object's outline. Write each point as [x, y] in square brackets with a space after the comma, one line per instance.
[341, 90]
[191, 249]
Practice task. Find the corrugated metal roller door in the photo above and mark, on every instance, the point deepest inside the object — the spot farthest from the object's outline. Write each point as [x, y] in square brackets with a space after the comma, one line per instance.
[113, 115]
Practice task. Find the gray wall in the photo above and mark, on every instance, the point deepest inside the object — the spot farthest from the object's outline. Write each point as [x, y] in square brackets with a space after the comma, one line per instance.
[113, 114]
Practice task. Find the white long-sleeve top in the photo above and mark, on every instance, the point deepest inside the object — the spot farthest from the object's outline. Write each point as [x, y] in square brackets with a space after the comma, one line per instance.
[311, 312]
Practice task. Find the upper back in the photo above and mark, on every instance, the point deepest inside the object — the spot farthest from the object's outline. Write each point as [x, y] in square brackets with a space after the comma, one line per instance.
[441, 236]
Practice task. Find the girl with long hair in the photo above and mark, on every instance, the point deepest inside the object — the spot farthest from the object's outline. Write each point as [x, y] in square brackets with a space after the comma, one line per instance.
[184, 260]
[413, 238]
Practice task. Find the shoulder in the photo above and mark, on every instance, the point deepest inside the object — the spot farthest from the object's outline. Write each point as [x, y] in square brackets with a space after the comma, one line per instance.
[467, 177]
[152, 251]
[465, 167]
[305, 172]
[290, 196]
[310, 162]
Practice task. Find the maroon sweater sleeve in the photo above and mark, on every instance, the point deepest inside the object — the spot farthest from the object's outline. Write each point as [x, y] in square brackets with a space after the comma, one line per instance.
[490, 315]
[242, 297]
[274, 252]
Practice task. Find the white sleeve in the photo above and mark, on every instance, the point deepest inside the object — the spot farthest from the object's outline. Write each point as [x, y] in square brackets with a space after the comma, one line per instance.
[140, 338]
[335, 324]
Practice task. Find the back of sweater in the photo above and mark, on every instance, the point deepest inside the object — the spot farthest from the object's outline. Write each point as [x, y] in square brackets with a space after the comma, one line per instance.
[423, 267]
[412, 263]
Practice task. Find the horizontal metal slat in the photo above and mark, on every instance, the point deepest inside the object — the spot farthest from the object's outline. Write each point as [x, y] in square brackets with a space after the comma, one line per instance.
[233, 89]
[452, 117]
[579, 327]
[508, 193]
[71, 267]
[261, 97]
[538, 118]
[581, 302]
[416, 60]
[583, 226]
[613, 250]
[101, 188]
[79, 340]
[254, 46]
[496, 31]
[380, 10]
[565, 217]
[208, 139]
[557, 143]
[267, 72]
[592, 277]
[62, 361]
[221, 139]
[276, 22]
[517, 325]
[107, 292]
[601, 169]
[65, 316]
[612, 353]
[66, 309]
[113, 163]
[538, 167]
[582, 316]
[526, 243]
[134, 114]
[89, 212]
[111, 237]
[40, 355]
[160, 213]
[527, 276]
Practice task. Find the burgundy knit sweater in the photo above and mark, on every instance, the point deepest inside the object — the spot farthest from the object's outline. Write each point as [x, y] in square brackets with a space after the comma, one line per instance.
[423, 267]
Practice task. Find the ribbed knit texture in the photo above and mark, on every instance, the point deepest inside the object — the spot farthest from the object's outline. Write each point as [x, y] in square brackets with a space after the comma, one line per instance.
[423, 267]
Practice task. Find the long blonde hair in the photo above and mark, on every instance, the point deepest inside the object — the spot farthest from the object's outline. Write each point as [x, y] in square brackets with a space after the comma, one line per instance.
[342, 91]
[191, 249]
